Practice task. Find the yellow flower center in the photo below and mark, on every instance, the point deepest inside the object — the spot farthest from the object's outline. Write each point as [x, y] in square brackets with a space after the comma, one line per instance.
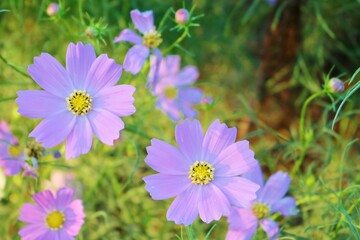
[55, 220]
[201, 172]
[260, 210]
[152, 39]
[79, 102]
[170, 92]
[14, 150]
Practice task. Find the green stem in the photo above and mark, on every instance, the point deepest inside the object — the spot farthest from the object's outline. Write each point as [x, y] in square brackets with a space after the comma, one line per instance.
[179, 40]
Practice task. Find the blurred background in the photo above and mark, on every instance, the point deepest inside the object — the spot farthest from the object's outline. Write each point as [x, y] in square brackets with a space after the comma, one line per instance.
[259, 60]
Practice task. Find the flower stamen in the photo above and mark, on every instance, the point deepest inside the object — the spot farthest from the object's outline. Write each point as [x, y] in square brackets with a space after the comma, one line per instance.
[79, 102]
[152, 39]
[260, 210]
[201, 172]
[55, 220]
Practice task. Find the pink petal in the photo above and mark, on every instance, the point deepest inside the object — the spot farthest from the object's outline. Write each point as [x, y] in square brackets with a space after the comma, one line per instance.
[74, 215]
[239, 191]
[213, 203]
[51, 75]
[217, 138]
[186, 76]
[153, 76]
[271, 228]
[45, 200]
[105, 125]
[31, 214]
[63, 198]
[189, 136]
[33, 231]
[104, 72]
[184, 209]
[161, 186]
[79, 140]
[135, 58]
[118, 100]
[79, 59]
[169, 65]
[169, 107]
[6, 135]
[128, 36]
[143, 21]
[53, 130]
[255, 175]
[167, 159]
[242, 219]
[12, 166]
[235, 160]
[241, 234]
[39, 104]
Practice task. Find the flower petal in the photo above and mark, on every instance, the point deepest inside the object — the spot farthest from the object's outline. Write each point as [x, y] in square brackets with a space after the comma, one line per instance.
[184, 209]
[217, 138]
[33, 231]
[118, 100]
[241, 234]
[39, 104]
[271, 228]
[169, 107]
[6, 135]
[63, 198]
[189, 136]
[193, 96]
[255, 175]
[74, 215]
[161, 186]
[135, 58]
[79, 140]
[186, 76]
[235, 160]
[79, 59]
[166, 159]
[63, 235]
[30, 213]
[45, 200]
[275, 188]
[287, 206]
[153, 76]
[105, 125]
[213, 203]
[188, 111]
[169, 65]
[242, 219]
[128, 35]
[104, 72]
[238, 190]
[143, 21]
[51, 75]
[53, 130]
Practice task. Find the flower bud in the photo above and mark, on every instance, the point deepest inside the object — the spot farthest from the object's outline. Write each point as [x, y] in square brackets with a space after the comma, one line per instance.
[91, 32]
[336, 85]
[52, 9]
[182, 16]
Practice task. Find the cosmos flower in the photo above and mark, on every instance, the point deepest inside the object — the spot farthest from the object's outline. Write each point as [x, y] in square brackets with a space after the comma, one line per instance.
[60, 179]
[175, 96]
[203, 174]
[77, 102]
[12, 159]
[270, 199]
[53, 217]
[148, 42]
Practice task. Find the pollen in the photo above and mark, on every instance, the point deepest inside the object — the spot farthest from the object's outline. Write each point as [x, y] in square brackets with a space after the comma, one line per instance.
[260, 210]
[201, 172]
[55, 220]
[14, 150]
[79, 102]
[170, 92]
[152, 39]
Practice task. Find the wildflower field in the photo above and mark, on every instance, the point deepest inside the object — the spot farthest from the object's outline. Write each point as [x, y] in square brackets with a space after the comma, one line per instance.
[190, 120]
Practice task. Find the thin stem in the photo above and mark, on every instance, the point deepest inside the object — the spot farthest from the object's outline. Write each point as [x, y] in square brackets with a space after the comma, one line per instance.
[179, 40]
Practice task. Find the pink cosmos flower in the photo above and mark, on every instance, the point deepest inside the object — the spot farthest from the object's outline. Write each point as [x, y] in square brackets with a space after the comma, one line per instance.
[175, 96]
[270, 199]
[77, 102]
[53, 217]
[203, 174]
[12, 159]
[151, 39]
[60, 179]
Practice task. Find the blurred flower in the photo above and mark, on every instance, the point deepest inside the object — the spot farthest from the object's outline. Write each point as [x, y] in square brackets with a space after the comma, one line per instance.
[270, 199]
[60, 179]
[336, 85]
[12, 159]
[52, 9]
[175, 96]
[30, 171]
[206, 100]
[203, 175]
[53, 217]
[91, 32]
[182, 16]
[34, 149]
[77, 102]
[151, 39]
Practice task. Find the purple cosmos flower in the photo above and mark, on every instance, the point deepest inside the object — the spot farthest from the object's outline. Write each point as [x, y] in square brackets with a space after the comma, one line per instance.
[151, 39]
[53, 217]
[174, 91]
[270, 199]
[77, 102]
[12, 159]
[203, 174]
